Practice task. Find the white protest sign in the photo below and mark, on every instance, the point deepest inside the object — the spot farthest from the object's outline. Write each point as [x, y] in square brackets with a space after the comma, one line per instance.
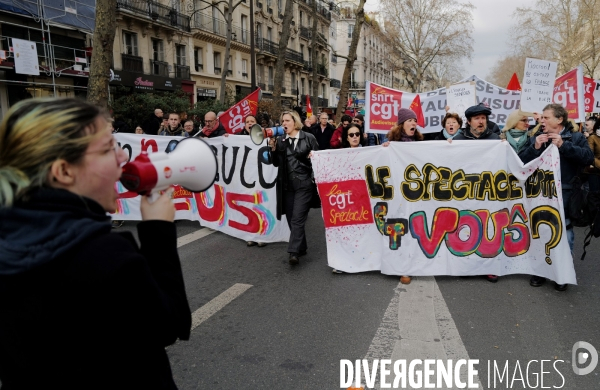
[461, 96]
[26, 58]
[538, 84]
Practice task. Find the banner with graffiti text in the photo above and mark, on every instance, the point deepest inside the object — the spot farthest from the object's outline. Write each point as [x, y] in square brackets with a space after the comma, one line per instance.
[241, 203]
[439, 208]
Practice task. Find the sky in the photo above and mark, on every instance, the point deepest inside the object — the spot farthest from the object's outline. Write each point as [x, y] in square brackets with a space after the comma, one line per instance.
[492, 20]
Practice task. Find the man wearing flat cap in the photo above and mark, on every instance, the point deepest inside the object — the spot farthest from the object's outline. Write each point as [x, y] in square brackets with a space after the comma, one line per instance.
[477, 125]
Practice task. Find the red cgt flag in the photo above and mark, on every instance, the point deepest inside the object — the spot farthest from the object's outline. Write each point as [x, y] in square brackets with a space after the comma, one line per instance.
[513, 84]
[418, 109]
[308, 107]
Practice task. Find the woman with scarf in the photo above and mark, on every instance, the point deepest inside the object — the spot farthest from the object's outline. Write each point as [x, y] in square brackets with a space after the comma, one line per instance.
[451, 124]
[516, 131]
[404, 131]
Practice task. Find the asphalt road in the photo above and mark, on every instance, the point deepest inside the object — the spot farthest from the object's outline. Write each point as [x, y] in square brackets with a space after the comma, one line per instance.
[292, 327]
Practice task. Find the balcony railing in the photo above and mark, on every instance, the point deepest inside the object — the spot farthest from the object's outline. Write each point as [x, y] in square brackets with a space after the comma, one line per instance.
[262, 86]
[335, 83]
[271, 87]
[199, 67]
[217, 70]
[182, 72]
[293, 55]
[159, 68]
[230, 72]
[294, 91]
[219, 27]
[305, 33]
[323, 102]
[334, 59]
[322, 70]
[265, 45]
[157, 12]
[308, 66]
[282, 89]
[322, 9]
[132, 63]
[357, 85]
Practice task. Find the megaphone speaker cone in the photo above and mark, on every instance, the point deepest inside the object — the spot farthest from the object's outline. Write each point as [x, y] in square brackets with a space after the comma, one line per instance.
[257, 135]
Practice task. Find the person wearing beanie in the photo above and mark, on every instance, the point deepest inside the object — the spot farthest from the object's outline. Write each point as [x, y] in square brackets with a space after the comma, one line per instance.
[516, 131]
[404, 131]
[477, 125]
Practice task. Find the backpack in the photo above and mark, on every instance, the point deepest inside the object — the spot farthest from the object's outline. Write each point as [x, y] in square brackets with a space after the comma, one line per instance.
[582, 208]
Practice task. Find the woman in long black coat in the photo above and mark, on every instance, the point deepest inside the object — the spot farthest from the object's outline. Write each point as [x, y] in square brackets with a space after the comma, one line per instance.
[80, 307]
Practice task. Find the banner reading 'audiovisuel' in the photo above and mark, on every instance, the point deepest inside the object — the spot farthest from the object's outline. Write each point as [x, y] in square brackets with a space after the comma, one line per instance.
[242, 202]
[435, 208]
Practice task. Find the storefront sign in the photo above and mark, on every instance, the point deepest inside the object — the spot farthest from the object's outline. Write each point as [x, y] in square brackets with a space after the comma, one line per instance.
[145, 82]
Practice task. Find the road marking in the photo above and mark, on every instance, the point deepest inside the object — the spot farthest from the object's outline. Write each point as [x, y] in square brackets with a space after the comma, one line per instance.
[204, 313]
[418, 325]
[183, 240]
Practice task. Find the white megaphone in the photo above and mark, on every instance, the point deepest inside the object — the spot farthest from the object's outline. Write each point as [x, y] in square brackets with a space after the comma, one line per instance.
[192, 165]
[258, 134]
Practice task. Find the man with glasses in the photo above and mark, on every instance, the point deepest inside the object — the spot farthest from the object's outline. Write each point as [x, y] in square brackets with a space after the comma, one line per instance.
[212, 126]
[323, 131]
[189, 128]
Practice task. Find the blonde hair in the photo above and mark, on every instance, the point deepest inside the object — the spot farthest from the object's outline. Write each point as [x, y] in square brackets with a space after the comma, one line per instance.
[295, 117]
[37, 132]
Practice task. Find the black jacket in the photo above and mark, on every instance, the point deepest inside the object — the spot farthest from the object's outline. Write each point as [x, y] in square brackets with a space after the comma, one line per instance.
[466, 133]
[575, 153]
[152, 125]
[323, 137]
[81, 307]
[306, 144]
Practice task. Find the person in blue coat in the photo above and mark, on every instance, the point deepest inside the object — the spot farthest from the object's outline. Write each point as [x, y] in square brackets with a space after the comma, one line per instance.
[575, 154]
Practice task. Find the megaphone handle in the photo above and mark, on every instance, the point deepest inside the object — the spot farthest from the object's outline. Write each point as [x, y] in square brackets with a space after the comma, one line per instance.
[153, 196]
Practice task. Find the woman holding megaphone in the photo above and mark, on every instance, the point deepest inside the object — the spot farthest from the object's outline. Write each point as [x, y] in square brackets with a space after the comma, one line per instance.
[80, 307]
[291, 153]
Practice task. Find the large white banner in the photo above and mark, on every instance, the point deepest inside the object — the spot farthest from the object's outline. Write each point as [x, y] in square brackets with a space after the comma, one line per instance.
[439, 208]
[241, 203]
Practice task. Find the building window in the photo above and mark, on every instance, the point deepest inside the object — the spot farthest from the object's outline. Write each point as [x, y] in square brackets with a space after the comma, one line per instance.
[269, 34]
[180, 55]
[350, 30]
[217, 63]
[302, 89]
[244, 29]
[230, 67]
[261, 72]
[294, 85]
[158, 51]
[198, 59]
[245, 69]
[271, 82]
[130, 43]
[323, 90]
[310, 87]
[215, 15]
[301, 18]
[259, 30]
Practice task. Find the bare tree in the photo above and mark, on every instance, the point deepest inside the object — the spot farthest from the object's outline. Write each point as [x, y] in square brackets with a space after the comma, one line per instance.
[227, 13]
[279, 78]
[503, 70]
[427, 31]
[345, 87]
[565, 31]
[104, 38]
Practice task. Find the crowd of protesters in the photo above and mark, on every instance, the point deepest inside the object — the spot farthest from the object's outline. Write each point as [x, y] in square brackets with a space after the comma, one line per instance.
[527, 133]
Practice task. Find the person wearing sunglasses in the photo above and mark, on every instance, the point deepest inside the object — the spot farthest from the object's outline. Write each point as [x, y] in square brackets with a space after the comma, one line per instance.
[516, 130]
[81, 307]
[352, 137]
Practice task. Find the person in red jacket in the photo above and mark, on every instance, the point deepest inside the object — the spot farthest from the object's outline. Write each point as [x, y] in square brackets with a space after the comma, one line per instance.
[336, 138]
